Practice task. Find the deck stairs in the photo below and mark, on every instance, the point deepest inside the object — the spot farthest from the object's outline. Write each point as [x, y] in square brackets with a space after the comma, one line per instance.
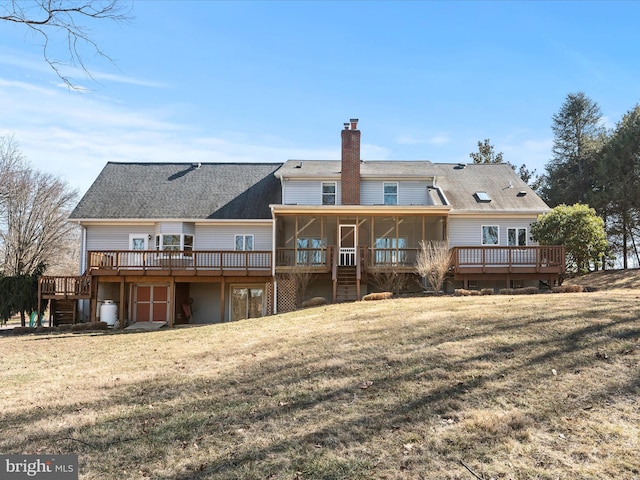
[63, 311]
[346, 289]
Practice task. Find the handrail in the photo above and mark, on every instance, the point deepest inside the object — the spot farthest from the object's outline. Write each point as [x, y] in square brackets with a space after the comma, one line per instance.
[538, 257]
[205, 260]
[65, 286]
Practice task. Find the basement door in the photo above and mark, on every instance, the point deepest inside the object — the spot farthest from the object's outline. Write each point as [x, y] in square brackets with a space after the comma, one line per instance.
[151, 303]
[247, 302]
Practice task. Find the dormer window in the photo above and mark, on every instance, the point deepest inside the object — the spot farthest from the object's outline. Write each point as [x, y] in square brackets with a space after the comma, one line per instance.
[328, 193]
[390, 193]
[482, 197]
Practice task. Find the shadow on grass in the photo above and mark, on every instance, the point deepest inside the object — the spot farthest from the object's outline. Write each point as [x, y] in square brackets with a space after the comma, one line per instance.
[343, 406]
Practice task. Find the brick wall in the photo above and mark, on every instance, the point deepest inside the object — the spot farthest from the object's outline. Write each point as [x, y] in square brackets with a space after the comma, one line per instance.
[351, 164]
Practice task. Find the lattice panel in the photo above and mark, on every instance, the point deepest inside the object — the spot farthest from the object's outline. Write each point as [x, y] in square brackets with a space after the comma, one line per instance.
[286, 296]
[269, 291]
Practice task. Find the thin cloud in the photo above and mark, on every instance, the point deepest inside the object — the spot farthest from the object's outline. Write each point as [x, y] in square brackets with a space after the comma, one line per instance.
[39, 65]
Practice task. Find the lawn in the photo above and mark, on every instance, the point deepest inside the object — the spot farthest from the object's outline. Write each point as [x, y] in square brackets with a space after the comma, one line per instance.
[503, 387]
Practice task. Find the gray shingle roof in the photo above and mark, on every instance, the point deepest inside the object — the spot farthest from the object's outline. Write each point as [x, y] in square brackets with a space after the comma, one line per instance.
[375, 168]
[460, 184]
[181, 191]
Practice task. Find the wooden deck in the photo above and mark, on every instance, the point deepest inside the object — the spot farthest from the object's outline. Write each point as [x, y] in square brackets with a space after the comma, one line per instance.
[184, 263]
[533, 259]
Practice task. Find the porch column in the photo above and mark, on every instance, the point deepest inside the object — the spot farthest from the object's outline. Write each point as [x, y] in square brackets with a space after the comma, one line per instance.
[93, 303]
[172, 301]
[222, 300]
[122, 302]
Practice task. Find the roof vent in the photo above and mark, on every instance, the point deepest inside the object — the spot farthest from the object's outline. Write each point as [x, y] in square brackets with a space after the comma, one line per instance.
[522, 193]
[298, 165]
[460, 166]
[196, 165]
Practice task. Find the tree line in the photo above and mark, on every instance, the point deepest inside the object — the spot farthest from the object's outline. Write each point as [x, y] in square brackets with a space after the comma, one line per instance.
[592, 167]
[600, 167]
[35, 235]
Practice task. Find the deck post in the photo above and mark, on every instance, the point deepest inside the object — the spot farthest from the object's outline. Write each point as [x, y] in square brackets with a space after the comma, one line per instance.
[222, 300]
[93, 303]
[121, 306]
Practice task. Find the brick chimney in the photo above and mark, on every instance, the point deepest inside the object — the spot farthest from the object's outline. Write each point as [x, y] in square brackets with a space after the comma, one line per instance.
[351, 163]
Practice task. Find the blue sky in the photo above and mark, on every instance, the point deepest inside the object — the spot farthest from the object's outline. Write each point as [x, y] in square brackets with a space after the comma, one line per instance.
[270, 81]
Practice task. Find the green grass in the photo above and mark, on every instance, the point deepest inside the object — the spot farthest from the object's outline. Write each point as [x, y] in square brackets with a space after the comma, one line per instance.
[522, 387]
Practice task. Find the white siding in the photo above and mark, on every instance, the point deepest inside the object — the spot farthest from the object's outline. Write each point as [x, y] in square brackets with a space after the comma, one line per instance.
[409, 192]
[468, 231]
[223, 237]
[206, 237]
[116, 237]
[306, 192]
[175, 228]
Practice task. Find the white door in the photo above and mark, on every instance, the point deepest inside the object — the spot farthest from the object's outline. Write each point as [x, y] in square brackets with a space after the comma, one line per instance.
[140, 243]
[347, 245]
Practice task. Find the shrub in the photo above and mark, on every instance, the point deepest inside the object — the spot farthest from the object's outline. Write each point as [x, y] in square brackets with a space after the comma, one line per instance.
[466, 293]
[519, 291]
[378, 296]
[486, 291]
[314, 302]
[568, 289]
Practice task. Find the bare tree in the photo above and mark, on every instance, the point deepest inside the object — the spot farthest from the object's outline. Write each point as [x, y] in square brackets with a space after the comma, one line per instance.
[33, 215]
[390, 280]
[433, 262]
[53, 19]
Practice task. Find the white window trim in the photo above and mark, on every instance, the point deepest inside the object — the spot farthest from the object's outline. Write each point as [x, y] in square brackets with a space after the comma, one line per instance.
[397, 193]
[482, 236]
[139, 235]
[517, 229]
[335, 193]
[159, 246]
[244, 241]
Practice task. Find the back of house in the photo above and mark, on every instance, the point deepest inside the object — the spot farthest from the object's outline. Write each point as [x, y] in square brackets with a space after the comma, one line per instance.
[191, 243]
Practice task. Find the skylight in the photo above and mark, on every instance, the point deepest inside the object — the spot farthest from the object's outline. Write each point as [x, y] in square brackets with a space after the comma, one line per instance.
[482, 197]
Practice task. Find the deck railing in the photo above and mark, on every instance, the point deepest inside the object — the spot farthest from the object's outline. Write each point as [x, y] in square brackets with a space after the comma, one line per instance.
[65, 286]
[305, 257]
[549, 259]
[385, 258]
[196, 260]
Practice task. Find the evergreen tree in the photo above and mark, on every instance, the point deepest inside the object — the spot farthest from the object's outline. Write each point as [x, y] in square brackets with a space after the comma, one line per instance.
[578, 136]
[487, 154]
[618, 184]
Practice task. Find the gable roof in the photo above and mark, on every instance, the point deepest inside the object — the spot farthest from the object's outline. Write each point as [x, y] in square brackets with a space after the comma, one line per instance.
[368, 169]
[181, 191]
[507, 192]
[458, 181]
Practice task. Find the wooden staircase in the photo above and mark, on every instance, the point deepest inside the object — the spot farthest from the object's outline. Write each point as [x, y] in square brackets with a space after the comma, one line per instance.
[347, 288]
[63, 311]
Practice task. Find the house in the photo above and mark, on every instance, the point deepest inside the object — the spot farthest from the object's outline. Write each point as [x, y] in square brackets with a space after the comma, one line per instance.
[211, 242]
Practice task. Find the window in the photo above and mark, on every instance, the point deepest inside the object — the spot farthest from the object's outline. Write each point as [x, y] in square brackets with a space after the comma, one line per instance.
[517, 237]
[390, 193]
[244, 243]
[328, 193]
[175, 242]
[490, 235]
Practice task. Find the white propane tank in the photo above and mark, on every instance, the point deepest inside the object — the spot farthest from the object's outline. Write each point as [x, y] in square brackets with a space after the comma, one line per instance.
[109, 313]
